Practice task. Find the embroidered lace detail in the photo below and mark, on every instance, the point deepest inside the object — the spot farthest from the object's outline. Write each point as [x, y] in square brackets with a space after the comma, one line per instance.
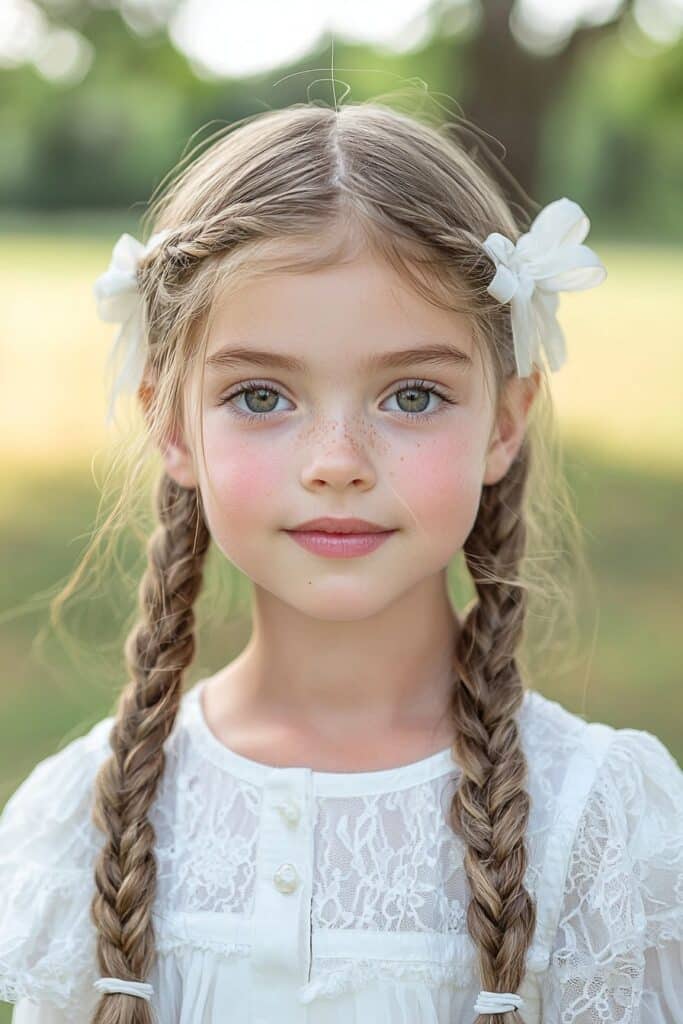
[169, 943]
[206, 826]
[333, 977]
[624, 889]
[378, 857]
[47, 850]
[385, 862]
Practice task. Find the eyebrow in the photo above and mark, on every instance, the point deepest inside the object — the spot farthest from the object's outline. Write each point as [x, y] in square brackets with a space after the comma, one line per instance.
[437, 354]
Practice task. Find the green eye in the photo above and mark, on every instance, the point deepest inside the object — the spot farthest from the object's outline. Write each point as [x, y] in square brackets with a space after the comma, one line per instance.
[262, 389]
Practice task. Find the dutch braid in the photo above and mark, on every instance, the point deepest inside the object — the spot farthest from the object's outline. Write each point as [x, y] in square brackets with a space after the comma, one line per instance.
[490, 808]
[158, 649]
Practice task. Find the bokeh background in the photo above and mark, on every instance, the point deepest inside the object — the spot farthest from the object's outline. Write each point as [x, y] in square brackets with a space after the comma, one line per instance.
[101, 98]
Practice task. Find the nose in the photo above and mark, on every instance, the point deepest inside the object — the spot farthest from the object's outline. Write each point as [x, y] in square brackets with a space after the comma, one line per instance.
[338, 459]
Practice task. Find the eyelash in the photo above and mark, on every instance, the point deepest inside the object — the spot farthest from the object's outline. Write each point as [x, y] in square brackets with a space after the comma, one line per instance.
[419, 385]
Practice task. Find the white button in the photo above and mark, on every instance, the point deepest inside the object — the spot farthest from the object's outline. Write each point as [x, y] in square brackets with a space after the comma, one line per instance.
[290, 811]
[286, 878]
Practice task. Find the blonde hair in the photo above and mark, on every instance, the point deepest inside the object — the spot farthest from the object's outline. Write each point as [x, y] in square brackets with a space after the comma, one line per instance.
[294, 190]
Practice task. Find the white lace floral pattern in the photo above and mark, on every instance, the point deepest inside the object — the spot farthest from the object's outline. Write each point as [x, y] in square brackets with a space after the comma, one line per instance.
[376, 925]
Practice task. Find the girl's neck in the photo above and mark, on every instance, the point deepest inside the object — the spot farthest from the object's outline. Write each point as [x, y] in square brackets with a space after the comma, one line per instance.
[388, 675]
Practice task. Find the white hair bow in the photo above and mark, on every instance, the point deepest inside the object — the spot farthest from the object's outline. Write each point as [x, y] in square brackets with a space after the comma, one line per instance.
[118, 301]
[547, 259]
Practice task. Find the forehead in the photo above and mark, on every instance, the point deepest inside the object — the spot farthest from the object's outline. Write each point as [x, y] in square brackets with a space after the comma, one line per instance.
[360, 313]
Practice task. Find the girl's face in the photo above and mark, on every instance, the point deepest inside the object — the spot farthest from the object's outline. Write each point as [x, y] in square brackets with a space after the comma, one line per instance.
[347, 431]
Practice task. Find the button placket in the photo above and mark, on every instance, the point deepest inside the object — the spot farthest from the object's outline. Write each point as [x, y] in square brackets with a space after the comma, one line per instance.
[286, 878]
[280, 961]
[290, 810]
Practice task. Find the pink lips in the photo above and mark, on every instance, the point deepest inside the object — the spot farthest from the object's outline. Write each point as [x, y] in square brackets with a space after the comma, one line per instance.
[339, 545]
[337, 524]
[335, 537]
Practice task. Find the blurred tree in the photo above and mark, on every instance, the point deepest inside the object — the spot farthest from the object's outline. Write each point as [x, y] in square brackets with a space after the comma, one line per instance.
[106, 139]
[509, 88]
[509, 85]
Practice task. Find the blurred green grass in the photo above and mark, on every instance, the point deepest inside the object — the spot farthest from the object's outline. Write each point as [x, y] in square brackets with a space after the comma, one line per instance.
[619, 406]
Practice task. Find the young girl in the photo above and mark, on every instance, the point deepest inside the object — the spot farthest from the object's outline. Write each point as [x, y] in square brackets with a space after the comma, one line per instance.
[335, 336]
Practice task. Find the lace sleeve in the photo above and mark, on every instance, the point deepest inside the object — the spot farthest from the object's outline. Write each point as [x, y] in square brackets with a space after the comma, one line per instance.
[618, 952]
[48, 845]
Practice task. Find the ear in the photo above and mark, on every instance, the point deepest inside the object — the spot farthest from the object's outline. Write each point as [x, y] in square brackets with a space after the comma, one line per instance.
[510, 426]
[176, 454]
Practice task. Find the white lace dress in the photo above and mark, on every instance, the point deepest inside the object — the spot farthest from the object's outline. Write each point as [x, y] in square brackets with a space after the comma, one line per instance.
[303, 897]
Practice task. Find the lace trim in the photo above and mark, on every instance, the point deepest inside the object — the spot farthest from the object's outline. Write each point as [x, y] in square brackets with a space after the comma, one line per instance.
[352, 975]
[56, 984]
[178, 943]
[334, 977]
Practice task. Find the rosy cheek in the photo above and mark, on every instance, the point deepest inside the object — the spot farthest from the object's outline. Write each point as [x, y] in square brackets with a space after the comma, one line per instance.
[244, 480]
[441, 485]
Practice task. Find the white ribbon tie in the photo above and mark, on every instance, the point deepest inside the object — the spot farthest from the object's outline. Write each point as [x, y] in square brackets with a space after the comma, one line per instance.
[130, 988]
[497, 1002]
[118, 301]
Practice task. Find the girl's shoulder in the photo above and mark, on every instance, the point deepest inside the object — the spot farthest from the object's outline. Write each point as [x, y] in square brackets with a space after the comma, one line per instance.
[59, 789]
[54, 794]
[606, 828]
[611, 887]
[591, 765]
[47, 846]
[48, 817]
[546, 725]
